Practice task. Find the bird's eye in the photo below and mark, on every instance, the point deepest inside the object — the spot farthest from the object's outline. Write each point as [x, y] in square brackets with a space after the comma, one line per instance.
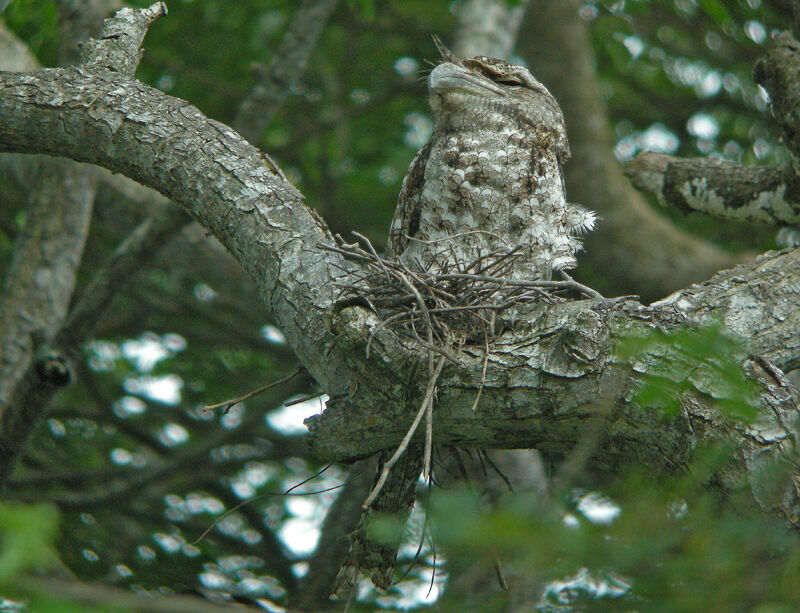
[507, 81]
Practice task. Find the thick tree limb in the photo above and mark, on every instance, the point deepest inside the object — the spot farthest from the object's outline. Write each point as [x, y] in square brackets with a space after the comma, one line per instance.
[487, 27]
[723, 189]
[719, 188]
[545, 386]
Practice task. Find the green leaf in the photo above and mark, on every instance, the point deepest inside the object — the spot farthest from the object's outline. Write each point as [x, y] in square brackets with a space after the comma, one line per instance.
[27, 533]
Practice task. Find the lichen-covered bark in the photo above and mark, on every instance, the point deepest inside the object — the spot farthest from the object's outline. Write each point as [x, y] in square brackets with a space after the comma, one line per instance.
[716, 187]
[546, 381]
[720, 188]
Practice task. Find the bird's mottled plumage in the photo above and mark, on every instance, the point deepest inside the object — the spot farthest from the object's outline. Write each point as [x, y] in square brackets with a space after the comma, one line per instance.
[489, 182]
[490, 179]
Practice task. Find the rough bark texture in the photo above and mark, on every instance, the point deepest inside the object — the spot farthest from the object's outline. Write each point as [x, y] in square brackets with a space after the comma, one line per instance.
[719, 188]
[548, 381]
[545, 383]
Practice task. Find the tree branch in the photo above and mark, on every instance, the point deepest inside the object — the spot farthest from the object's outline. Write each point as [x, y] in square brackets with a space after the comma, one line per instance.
[288, 64]
[779, 73]
[123, 599]
[723, 189]
[719, 188]
[634, 249]
[341, 521]
[487, 27]
[546, 382]
[37, 292]
[136, 250]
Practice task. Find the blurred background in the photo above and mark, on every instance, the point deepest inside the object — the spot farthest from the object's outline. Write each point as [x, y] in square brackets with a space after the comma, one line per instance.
[128, 470]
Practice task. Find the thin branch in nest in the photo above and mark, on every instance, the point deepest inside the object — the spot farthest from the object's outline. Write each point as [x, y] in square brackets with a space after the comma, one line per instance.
[429, 345]
[580, 286]
[496, 260]
[372, 252]
[483, 368]
[426, 463]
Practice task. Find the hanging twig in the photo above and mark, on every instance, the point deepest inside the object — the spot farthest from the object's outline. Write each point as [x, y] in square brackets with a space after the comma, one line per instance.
[407, 438]
[229, 403]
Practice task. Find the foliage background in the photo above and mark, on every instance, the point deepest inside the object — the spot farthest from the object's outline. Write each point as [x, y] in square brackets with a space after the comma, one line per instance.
[138, 469]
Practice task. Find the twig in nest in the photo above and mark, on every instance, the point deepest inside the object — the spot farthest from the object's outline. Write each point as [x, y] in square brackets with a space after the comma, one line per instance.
[483, 368]
[372, 251]
[580, 286]
[229, 403]
[407, 438]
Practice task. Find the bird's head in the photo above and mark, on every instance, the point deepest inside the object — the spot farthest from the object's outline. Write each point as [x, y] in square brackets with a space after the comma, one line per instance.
[483, 93]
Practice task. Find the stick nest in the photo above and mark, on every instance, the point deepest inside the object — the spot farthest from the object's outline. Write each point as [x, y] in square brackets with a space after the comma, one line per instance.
[436, 311]
[473, 303]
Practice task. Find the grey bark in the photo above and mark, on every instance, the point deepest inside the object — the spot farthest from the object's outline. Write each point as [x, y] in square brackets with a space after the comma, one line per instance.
[716, 187]
[548, 381]
[487, 27]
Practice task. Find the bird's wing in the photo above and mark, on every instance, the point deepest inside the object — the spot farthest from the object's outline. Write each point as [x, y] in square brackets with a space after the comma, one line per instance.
[406, 215]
